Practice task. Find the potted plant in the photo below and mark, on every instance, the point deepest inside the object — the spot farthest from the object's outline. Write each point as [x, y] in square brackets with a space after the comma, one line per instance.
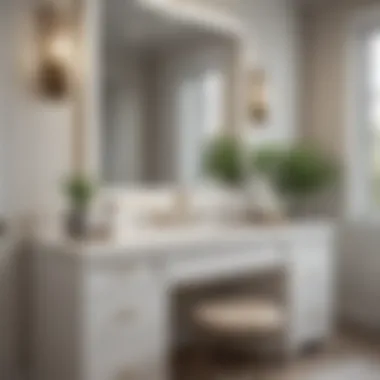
[224, 164]
[300, 173]
[224, 160]
[80, 191]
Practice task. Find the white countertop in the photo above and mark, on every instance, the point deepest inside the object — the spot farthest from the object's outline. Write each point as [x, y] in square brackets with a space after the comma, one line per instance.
[156, 241]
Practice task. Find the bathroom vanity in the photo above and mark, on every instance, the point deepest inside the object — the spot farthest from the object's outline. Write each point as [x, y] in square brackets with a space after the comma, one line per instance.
[103, 310]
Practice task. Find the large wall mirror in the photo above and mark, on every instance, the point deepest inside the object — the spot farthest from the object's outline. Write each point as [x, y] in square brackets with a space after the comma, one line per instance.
[163, 97]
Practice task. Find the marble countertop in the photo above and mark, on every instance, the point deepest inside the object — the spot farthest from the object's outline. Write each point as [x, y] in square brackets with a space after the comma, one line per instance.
[176, 240]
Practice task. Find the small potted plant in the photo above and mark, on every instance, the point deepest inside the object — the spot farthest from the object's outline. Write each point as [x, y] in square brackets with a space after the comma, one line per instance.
[80, 191]
[224, 160]
[224, 164]
[300, 173]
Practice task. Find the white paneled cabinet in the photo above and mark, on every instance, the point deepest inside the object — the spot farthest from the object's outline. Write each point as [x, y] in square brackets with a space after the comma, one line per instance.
[311, 291]
[125, 322]
[103, 312]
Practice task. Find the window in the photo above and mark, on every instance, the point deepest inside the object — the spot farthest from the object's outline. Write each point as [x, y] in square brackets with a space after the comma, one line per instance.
[373, 122]
[363, 123]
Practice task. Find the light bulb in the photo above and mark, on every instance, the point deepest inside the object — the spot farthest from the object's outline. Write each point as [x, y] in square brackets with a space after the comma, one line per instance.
[60, 48]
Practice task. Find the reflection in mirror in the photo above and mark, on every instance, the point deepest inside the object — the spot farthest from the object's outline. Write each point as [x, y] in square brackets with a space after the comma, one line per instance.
[158, 111]
[162, 99]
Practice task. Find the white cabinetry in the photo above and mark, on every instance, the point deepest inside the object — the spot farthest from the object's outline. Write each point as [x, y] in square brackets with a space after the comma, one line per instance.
[125, 322]
[311, 290]
[98, 323]
[102, 312]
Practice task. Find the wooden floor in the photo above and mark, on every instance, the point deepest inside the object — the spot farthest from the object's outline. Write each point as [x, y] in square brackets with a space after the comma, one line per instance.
[344, 359]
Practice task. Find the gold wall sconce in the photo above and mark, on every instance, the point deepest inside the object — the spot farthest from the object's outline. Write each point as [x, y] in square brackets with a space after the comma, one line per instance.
[54, 45]
[258, 107]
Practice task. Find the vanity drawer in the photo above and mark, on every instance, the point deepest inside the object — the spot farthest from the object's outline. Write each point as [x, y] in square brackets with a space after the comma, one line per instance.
[225, 263]
[119, 348]
[125, 317]
[104, 281]
[128, 298]
[125, 349]
[117, 288]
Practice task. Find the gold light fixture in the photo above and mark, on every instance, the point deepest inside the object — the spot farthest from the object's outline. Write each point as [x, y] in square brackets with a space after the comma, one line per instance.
[54, 52]
[57, 66]
[258, 107]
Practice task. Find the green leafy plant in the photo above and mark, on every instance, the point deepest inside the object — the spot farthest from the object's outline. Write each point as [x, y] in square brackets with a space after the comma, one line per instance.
[306, 171]
[267, 160]
[298, 171]
[80, 191]
[223, 159]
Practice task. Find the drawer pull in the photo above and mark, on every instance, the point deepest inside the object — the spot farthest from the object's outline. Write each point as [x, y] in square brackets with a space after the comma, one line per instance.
[126, 316]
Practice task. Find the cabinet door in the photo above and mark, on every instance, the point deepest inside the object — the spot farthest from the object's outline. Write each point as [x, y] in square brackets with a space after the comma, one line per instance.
[311, 292]
[126, 316]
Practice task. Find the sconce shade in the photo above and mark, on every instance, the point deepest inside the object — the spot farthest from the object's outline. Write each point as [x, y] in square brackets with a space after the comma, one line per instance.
[52, 77]
[257, 97]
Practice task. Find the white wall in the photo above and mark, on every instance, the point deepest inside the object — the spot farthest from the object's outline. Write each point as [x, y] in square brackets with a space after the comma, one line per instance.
[36, 134]
[35, 143]
[273, 44]
[5, 68]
